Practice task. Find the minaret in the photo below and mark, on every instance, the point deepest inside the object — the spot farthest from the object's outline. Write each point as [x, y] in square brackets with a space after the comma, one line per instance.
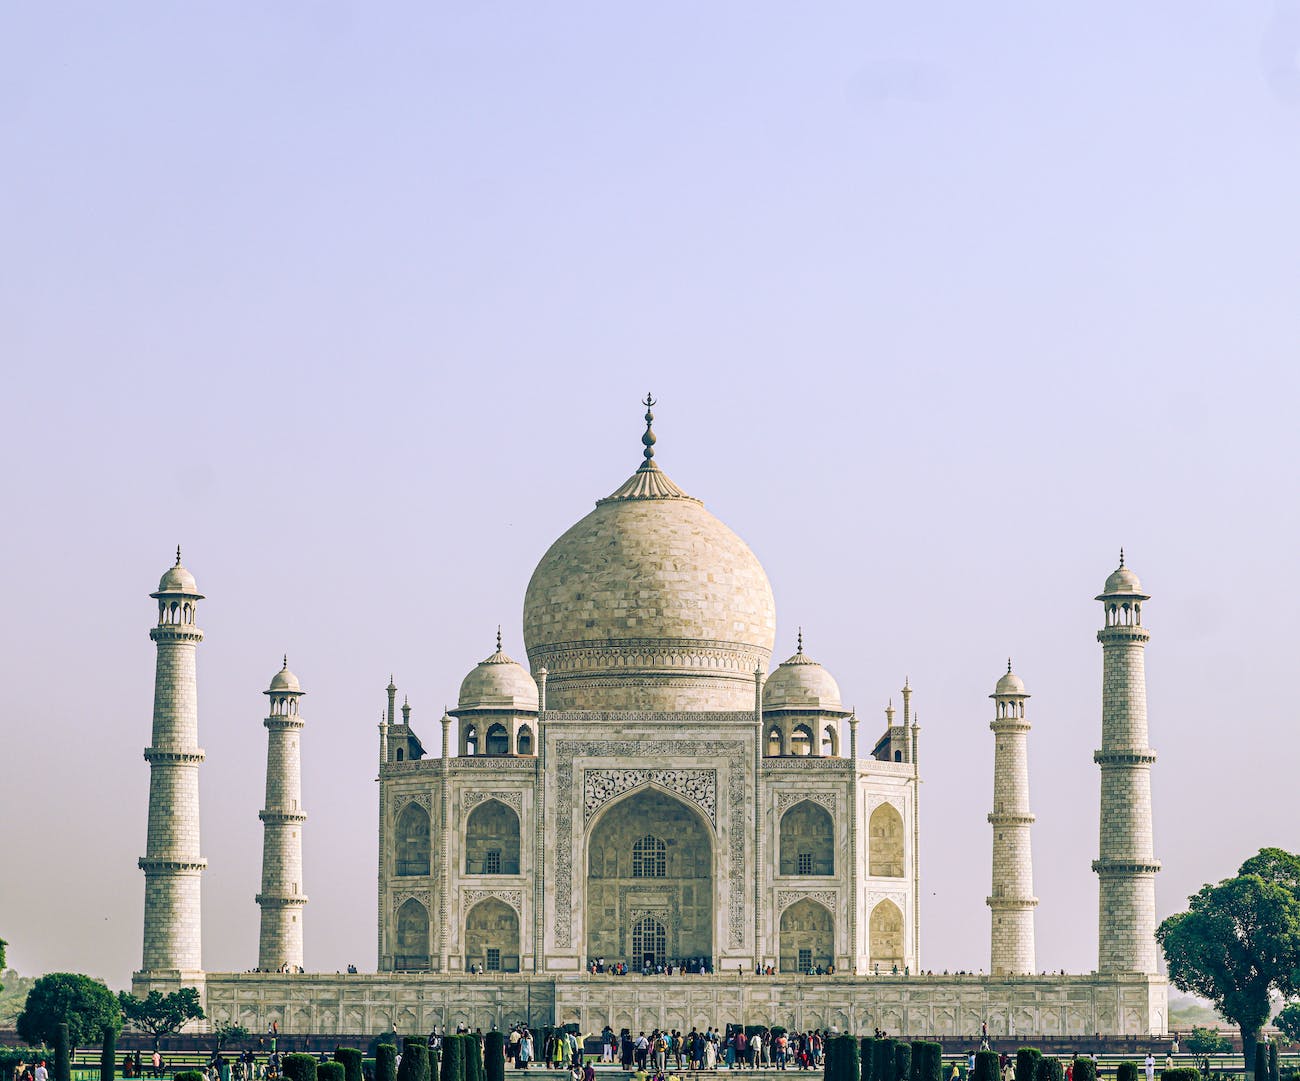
[279, 946]
[172, 865]
[1127, 867]
[1012, 900]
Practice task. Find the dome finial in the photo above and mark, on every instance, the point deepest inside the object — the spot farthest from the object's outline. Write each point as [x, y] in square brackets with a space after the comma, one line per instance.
[800, 640]
[498, 637]
[286, 662]
[648, 439]
[178, 555]
[1008, 666]
[1121, 557]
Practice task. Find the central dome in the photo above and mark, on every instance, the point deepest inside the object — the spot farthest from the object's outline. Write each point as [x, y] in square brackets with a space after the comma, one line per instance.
[649, 603]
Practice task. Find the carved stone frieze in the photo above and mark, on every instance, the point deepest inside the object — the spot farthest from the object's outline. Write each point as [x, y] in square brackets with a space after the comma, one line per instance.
[786, 800]
[402, 896]
[513, 898]
[875, 799]
[700, 786]
[470, 800]
[785, 898]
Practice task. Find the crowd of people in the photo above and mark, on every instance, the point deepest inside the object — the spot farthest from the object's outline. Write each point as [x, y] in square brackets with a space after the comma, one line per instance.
[652, 1055]
[691, 966]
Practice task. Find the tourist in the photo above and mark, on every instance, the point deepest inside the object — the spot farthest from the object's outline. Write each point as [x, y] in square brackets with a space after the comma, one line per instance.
[607, 1045]
[1150, 1066]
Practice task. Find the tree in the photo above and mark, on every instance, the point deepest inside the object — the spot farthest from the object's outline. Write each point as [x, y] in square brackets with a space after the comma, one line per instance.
[1204, 1042]
[159, 1014]
[1239, 942]
[225, 1033]
[1288, 1022]
[86, 1005]
[3, 944]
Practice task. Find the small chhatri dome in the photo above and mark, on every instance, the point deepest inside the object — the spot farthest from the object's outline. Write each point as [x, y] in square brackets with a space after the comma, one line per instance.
[1010, 683]
[498, 683]
[284, 681]
[178, 580]
[1122, 582]
[802, 683]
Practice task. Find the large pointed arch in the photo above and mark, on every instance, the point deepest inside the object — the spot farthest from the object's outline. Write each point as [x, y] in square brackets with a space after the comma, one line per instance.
[411, 841]
[411, 938]
[807, 937]
[650, 853]
[885, 842]
[807, 842]
[492, 839]
[886, 937]
[492, 937]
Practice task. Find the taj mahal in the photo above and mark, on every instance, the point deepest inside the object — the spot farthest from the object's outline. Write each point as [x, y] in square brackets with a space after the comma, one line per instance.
[646, 789]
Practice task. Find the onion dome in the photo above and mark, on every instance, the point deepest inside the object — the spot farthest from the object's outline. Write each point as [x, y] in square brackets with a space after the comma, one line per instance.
[284, 681]
[1009, 684]
[649, 603]
[498, 683]
[178, 580]
[1123, 583]
[802, 683]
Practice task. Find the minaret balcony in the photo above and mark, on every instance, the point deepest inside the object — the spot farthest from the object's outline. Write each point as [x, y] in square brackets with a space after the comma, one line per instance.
[1120, 868]
[1135, 757]
[282, 818]
[173, 758]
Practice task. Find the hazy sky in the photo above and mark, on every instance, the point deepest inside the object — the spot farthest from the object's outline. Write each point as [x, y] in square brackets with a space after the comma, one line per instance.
[943, 303]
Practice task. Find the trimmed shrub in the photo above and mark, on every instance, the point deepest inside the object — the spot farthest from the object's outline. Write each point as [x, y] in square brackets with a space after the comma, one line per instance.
[1272, 1061]
[903, 1060]
[367, 1069]
[107, 1053]
[1261, 1061]
[1180, 1073]
[1085, 1070]
[62, 1059]
[350, 1058]
[866, 1054]
[842, 1059]
[190, 1075]
[1049, 1068]
[415, 1060]
[298, 1067]
[330, 1071]
[1027, 1063]
[927, 1061]
[452, 1067]
[986, 1066]
[494, 1056]
[1126, 1071]
[882, 1060]
[386, 1062]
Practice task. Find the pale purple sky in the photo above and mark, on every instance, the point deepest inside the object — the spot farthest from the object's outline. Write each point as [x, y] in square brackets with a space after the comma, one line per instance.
[943, 304]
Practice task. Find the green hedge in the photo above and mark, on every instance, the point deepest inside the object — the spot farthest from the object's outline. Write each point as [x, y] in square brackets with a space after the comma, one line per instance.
[1273, 1074]
[189, 1075]
[1049, 1069]
[62, 1059]
[494, 1056]
[882, 1060]
[1027, 1063]
[903, 1061]
[1126, 1071]
[986, 1066]
[1180, 1073]
[107, 1053]
[298, 1067]
[386, 1062]
[1085, 1070]
[1261, 1061]
[865, 1055]
[330, 1071]
[350, 1059]
[453, 1059]
[368, 1069]
[415, 1060]
[927, 1061]
[842, 1062]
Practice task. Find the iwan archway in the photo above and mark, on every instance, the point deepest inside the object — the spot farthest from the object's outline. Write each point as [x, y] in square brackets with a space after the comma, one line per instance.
[650, 881]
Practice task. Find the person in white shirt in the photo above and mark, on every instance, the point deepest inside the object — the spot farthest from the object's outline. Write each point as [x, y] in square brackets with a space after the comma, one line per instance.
[42, 1074]
[1151, 1067]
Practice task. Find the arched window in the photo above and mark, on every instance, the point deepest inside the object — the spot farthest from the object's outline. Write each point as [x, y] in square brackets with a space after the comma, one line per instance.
[801, 740]
[885, 831]
[807, 840]
[648, 858]
[399, 754]
[492, 937]
[412, 836]
[649, 941]
[807, 937]
[774, 742]
[471, 740]
[498, 740]
[411, 949]
[525, 739]
[886, 936]
[830, 741]
[492, 840]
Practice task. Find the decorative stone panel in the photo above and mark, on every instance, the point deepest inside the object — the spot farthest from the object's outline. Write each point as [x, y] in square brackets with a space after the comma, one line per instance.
[470, 800]
[700, 786]
[786, 800]
[513, 898]
[785, 898]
